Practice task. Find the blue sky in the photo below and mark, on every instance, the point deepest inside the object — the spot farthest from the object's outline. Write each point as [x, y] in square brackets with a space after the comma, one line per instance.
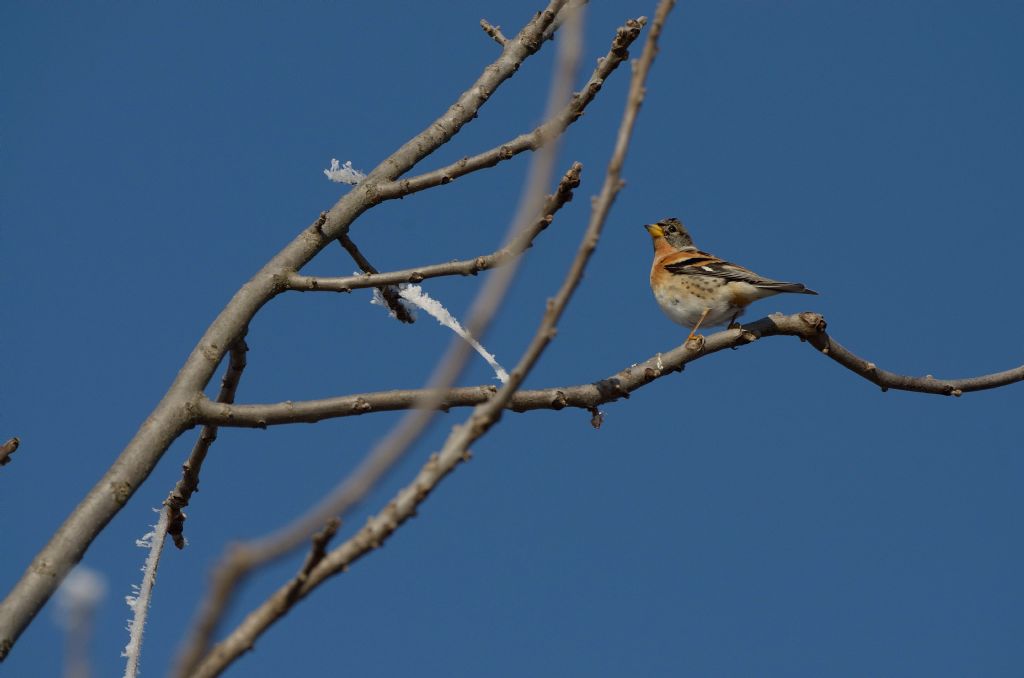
[763, 513]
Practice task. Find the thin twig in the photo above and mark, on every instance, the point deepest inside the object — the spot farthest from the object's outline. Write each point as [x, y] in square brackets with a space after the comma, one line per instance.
[390, 293]
[530, 141]
[525, 44]
[494, 32]
[317, 551]
[243, 558]
[562, 195]
[7, 449]
[179, 497]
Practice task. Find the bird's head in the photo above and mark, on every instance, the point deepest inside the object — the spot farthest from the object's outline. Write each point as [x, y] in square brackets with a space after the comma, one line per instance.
[673, 231]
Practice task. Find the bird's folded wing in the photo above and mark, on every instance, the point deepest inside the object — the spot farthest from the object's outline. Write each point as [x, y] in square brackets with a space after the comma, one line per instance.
[714, 267]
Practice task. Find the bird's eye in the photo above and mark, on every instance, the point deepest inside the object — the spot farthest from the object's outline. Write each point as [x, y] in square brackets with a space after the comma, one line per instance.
[671, 229]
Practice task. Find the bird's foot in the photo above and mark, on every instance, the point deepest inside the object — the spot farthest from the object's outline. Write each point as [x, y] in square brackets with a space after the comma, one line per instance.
[697, 339]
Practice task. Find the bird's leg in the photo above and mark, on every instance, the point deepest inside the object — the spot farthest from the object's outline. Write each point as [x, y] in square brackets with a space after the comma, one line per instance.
[732, 323]
[693, 332]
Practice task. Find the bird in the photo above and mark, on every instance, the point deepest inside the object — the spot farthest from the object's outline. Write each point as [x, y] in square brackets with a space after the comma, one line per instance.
[697, 289]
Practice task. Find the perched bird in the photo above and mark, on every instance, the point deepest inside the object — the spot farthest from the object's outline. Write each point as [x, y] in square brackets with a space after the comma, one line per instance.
[697, 289]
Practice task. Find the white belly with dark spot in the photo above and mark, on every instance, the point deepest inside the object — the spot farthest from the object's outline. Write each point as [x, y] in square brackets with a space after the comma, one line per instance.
[687, 311]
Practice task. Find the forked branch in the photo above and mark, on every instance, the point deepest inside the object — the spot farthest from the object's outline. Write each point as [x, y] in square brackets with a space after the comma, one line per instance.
[530, 141]
[563, 194]
[179, 497]
[390, 293]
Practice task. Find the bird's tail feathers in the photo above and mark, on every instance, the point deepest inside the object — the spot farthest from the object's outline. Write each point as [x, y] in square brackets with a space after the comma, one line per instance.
[795, 288]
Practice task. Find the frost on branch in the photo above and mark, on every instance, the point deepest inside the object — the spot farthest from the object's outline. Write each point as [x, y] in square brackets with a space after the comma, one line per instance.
[379, 300]
[414, 296]
[344, 174]
[139, 600]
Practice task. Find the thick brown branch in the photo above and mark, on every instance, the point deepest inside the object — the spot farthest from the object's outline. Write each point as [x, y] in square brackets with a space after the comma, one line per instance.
[388, 292]
[7, 449]
[807, 326]
[530, 141]
[554, 202]
[179, 497]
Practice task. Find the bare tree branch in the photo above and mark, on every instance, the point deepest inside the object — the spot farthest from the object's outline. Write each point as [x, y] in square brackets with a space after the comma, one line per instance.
[7, 449]
[518, 245]
[525, 44]
[886, 380]
[388, 292]
[806, 326]
[241, 559]
[529, 141]
[244, 558]
[456, 447]
[179, 497]
[174, 413]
